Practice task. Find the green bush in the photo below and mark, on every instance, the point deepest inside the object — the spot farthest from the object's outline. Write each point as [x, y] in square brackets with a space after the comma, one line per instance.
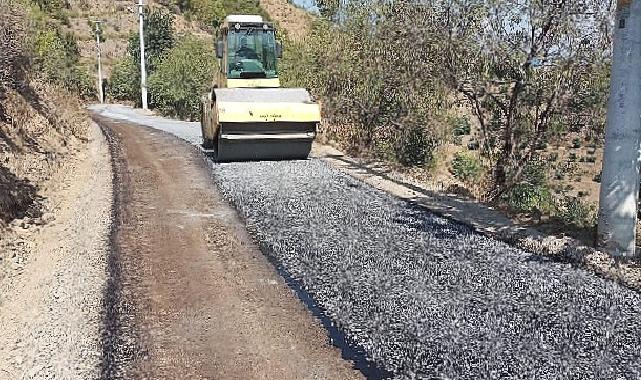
[80, 81]
[532, 194]
[461, 126]
[466, 168]
[124, 83]
[576, 212]
[159, 39]
[56, 55]
[576, 142]
[414, 147]
[210, 12]
[182, 77]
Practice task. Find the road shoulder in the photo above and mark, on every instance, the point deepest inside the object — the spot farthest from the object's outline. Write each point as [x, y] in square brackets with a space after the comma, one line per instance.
[51, 299]
[482, 218]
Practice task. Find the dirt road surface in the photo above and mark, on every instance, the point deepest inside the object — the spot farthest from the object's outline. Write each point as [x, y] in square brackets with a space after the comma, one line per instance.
[191, 296]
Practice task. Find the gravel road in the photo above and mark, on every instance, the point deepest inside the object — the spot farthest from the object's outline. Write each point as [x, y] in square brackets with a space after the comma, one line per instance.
[427, 298]
[191, 296]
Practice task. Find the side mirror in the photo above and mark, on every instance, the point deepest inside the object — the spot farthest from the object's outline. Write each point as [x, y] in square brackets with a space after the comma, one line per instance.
[279, 49]
[220, 48]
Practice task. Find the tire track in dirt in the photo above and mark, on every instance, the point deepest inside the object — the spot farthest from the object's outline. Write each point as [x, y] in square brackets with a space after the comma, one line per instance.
[190, 294]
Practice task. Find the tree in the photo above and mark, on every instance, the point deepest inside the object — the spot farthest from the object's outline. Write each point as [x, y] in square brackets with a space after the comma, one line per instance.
[528, 70]
[210, 12]
[182, 77]
[521, 64]
[375, 72]
[124, 83]
[159, 37]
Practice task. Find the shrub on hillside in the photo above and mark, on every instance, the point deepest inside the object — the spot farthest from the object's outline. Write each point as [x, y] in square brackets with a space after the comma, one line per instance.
[124, 83]
[414, 147]
[368, 78]
[466, 168]
[461, 125]
[208, 11]
[532, 194]
[79, 81]
[576, 212]
[56, 55]
[182, 77]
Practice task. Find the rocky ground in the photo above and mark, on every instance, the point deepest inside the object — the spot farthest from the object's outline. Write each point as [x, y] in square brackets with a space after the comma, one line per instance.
[55, 272]
[429, 298]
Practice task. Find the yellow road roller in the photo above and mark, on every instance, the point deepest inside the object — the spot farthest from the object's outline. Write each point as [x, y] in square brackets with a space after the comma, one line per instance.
[247, 115]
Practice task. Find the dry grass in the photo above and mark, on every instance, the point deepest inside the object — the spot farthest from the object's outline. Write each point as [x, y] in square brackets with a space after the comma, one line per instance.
[45, 125]
[295, 21]
[119, 19]
[40, 124]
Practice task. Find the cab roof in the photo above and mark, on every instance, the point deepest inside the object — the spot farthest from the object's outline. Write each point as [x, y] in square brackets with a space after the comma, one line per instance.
[252, 19]
[245, 21]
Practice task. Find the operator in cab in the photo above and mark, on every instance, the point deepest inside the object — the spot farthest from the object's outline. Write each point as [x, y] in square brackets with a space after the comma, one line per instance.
[244, 51]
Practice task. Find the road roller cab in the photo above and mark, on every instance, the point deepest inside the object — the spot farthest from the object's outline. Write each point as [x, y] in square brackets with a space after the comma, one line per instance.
[247, 116]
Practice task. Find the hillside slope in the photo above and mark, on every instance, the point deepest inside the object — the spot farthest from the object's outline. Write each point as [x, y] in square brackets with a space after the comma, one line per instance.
[41, 125]
[119, 19]
[295, 21]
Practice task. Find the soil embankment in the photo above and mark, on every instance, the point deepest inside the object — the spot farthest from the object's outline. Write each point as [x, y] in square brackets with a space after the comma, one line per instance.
[54, 274]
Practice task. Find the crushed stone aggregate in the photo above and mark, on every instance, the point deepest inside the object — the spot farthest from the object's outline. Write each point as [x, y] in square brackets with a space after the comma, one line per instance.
[427, 298]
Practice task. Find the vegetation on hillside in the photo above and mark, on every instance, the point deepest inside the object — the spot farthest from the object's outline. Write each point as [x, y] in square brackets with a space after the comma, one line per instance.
[34, 46]
[40, 117]
[52, 51]
[180, 78]
[11, 53]
[159, 36]
[530, 74]
[212, 12]
[179, 69]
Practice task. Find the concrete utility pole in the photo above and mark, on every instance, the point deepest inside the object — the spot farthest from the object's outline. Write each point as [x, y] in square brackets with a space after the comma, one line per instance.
[143, 70]
[101, 95]
[622, 153]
